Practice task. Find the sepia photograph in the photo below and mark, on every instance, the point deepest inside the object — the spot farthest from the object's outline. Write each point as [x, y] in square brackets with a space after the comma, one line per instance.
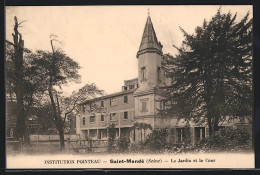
[149, 86]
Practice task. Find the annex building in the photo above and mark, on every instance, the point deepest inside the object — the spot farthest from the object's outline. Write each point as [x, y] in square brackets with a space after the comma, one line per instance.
[138, 102]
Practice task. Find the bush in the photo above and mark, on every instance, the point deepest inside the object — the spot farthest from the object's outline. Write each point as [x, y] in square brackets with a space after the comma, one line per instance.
[226, 139]
[123, 144]
[155, 141]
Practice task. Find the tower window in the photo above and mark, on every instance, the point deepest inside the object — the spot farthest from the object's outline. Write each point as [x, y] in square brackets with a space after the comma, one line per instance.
[125, 115]
[102, 104]
[158, 73]
[143, 73]
[125, 99]
[144, 106]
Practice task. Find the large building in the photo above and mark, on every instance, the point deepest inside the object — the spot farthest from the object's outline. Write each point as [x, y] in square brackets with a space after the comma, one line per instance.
[138, 102]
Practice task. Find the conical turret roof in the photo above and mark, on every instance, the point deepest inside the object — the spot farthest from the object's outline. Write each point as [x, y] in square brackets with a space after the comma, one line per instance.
[149, 40]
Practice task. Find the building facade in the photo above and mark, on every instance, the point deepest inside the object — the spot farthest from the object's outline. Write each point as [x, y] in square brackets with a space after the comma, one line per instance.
[138, 102]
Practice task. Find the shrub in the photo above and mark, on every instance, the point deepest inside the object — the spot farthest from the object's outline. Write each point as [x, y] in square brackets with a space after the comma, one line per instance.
[226, 139]
[156, 141]
[123, 144]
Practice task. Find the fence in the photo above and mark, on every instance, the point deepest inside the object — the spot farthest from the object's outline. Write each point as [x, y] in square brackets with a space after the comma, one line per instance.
[51, 137]
[87, 146]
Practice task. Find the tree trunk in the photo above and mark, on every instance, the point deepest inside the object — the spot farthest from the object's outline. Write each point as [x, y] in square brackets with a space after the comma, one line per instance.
[210, 126]
[215, 126]
[19, 84]
[61, 133]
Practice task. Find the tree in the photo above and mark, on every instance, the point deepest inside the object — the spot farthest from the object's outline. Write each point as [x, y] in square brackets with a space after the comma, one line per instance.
[212, 72]
[32, 87]
[58, 69]
[16, 87]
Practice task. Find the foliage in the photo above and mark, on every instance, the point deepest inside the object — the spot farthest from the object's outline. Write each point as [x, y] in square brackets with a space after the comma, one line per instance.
[58, 69]
[23, 82]
[142, 126]
[180, 148]
[156, 141]
[123, 143]
[212, 72]
[227, 139]
[44, 75]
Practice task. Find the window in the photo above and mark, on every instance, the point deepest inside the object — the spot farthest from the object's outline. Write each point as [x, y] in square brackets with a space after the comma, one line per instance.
[92, 133]
[102, 118]
[83, 108]
[113, 102]
[92, 119]
[158, 73]
[112, 116]
[144, 107]
[125, 99]
[102, 104]
[125, 88]
[199, 133]
[99, 135]
[143, 73]
[90, 107]
[125, 115]
[162, 105]
[83, 121]
[131, 86]
[183, 134]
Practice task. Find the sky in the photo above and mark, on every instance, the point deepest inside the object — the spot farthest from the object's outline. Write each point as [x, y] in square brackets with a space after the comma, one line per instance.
[104, 40]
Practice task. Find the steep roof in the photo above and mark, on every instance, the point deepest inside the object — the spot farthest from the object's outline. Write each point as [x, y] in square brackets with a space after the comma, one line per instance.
[149, 40]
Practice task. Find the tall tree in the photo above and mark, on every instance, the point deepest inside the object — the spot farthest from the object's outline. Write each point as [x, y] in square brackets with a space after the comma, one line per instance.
[16, 86]
[212, 72]
[32, 87]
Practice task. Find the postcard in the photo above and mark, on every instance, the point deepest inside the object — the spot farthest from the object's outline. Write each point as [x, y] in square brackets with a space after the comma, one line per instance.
[129, 87]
